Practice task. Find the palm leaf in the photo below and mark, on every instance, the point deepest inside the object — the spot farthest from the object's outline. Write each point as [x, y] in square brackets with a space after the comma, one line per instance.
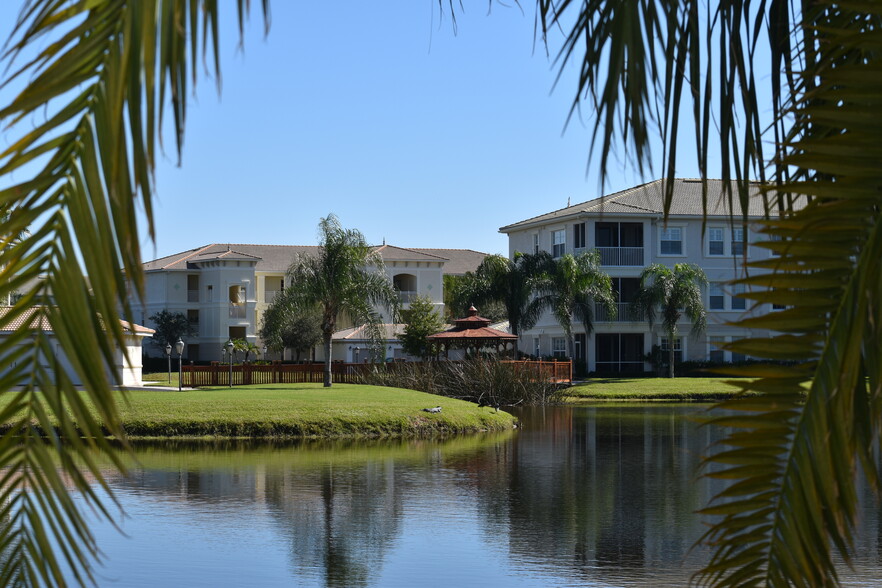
[96, 90]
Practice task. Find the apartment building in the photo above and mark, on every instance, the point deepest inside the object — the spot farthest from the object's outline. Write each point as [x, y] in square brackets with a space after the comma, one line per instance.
[630, 232]
[224, 288]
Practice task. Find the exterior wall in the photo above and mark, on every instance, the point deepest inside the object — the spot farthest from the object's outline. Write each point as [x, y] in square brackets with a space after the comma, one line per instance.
[696, 249]
[429, 282]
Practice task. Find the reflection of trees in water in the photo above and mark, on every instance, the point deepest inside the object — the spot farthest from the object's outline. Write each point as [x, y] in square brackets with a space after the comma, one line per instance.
[597, 488]
[341, 520]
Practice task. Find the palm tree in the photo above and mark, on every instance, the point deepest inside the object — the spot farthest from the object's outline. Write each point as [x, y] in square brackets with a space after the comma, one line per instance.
[77, 166]
[572, 288]
[511, 283]
[805, 134]
[346, 277]
[673, 293]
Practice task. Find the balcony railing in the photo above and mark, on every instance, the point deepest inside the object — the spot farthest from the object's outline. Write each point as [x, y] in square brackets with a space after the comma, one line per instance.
[270, 295]
[621, 255]
[405, 296]
[237, 311]
[192, 295]
[625, 313]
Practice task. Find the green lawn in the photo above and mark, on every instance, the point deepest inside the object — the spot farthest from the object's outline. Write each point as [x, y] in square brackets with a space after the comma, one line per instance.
[683, 389]
[301, 410]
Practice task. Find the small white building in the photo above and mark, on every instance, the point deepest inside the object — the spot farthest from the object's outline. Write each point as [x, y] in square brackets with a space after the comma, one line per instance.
[127, 362]
[629, 231]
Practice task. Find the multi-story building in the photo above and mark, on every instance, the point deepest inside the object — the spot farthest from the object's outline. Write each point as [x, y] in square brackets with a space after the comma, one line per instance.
[224, 288]
[629, 230]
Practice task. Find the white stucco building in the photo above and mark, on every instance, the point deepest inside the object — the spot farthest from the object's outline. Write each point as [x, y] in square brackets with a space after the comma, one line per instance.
[224, 288]
[629, 230]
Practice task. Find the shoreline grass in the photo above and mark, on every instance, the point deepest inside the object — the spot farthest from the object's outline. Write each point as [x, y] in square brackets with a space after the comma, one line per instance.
[301, 411]
[652, 389]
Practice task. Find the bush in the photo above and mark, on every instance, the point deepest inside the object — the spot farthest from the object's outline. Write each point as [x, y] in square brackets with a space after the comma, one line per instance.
[486, 382]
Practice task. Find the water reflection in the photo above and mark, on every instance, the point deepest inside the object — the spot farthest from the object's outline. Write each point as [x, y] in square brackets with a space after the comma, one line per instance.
[587, 496]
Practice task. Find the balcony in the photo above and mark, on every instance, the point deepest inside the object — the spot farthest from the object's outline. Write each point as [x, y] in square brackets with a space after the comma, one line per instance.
[624, 314]
[621, 256]
[270, 295]
[237, 311]
[192, 295]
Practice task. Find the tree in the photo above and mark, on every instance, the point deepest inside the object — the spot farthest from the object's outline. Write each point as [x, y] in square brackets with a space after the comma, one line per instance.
[422, 320]
[673, 293]
[246, 347]
[77, 164]
[347, 276]
[169, 327]
[511, 283]
[296, 329]
[574, 284]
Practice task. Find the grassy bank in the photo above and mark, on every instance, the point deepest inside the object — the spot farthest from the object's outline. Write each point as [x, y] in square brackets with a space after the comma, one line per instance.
[301, 410]
[672, 389]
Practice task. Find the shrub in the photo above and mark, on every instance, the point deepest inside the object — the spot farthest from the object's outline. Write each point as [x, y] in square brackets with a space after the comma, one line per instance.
[486, 382]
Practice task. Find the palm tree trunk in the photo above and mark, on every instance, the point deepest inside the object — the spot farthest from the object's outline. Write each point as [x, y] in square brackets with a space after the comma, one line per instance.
[670, 354]
[327, 379]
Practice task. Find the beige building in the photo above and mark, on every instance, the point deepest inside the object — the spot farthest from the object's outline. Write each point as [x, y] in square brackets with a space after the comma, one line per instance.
[224, 288]
[630, 232]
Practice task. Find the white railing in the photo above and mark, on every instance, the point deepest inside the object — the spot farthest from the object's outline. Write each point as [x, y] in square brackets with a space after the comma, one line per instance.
[270, 295]
[237, 311]
[621, 255]
[405, 296]
[192, 295]
[625, 313]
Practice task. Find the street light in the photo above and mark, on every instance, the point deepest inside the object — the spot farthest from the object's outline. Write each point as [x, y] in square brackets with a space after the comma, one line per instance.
[179, 347]
[264, 353]
[230, 352]
[168, 355]
[357, 349]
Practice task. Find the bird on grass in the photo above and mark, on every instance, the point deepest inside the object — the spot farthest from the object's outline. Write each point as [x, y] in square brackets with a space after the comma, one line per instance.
[433, 410]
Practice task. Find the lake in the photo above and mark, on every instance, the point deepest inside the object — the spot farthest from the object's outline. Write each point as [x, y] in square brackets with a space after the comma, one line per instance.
[599, 496]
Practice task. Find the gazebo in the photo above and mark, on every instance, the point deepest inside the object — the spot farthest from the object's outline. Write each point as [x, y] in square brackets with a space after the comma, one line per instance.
[472, 331]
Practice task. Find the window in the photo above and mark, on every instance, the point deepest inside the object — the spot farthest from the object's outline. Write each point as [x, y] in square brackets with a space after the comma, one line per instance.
[776, 306]
[678, 348]
[537, 350]
[535, 243]
[558, 243]
[210, 293]
[559, 347]
[736, 357]
[715, 241]
[738, 303]
[737, 241]
[715, 297]
[671, 242]
[775, 239]
[193, 317]
[716, 354]
[579, 236]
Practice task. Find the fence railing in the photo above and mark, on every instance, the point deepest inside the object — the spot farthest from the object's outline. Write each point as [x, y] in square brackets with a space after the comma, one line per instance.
[237, 311]
[192, 295]
[407, 296]
[621, 255]
[625, 313]
[220, 374]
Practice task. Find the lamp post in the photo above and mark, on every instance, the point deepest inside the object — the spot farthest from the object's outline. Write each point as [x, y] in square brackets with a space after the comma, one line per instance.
[264, 353]
[168, 355]
[230, 352]
[179, 347]
[357, 349]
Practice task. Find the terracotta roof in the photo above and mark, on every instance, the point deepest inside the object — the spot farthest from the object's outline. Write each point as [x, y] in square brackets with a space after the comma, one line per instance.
[269, 258]
[648, 200]
[459, 261]
[473, 327]
[31, 320]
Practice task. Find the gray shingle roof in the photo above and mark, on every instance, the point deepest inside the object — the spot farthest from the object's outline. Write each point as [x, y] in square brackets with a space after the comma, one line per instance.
[459, 261]
[648, 199]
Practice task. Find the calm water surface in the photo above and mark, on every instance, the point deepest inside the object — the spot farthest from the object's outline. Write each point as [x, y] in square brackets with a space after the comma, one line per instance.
[578, 497]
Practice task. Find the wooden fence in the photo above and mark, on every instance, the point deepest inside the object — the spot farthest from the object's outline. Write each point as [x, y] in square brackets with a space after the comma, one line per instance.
[219, 374]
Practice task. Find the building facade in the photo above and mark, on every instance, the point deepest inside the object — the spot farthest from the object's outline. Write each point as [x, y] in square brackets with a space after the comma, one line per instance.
[224, 288]
[629, 230]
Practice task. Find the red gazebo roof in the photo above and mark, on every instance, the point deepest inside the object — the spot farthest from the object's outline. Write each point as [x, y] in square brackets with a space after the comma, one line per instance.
[472, 327]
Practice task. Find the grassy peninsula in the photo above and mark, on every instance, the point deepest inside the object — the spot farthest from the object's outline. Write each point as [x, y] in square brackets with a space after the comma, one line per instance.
[301, 410]
[651, 389]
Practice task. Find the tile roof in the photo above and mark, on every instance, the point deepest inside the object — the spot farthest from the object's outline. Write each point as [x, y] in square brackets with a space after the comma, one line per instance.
[459, 261]
[270, 258]
[648, 199]
[29, 319]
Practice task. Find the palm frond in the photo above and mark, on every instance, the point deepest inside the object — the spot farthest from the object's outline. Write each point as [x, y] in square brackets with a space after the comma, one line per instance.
[82, 132]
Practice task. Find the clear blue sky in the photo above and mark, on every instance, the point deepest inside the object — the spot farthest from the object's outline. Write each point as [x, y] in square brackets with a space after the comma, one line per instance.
[379, 113]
